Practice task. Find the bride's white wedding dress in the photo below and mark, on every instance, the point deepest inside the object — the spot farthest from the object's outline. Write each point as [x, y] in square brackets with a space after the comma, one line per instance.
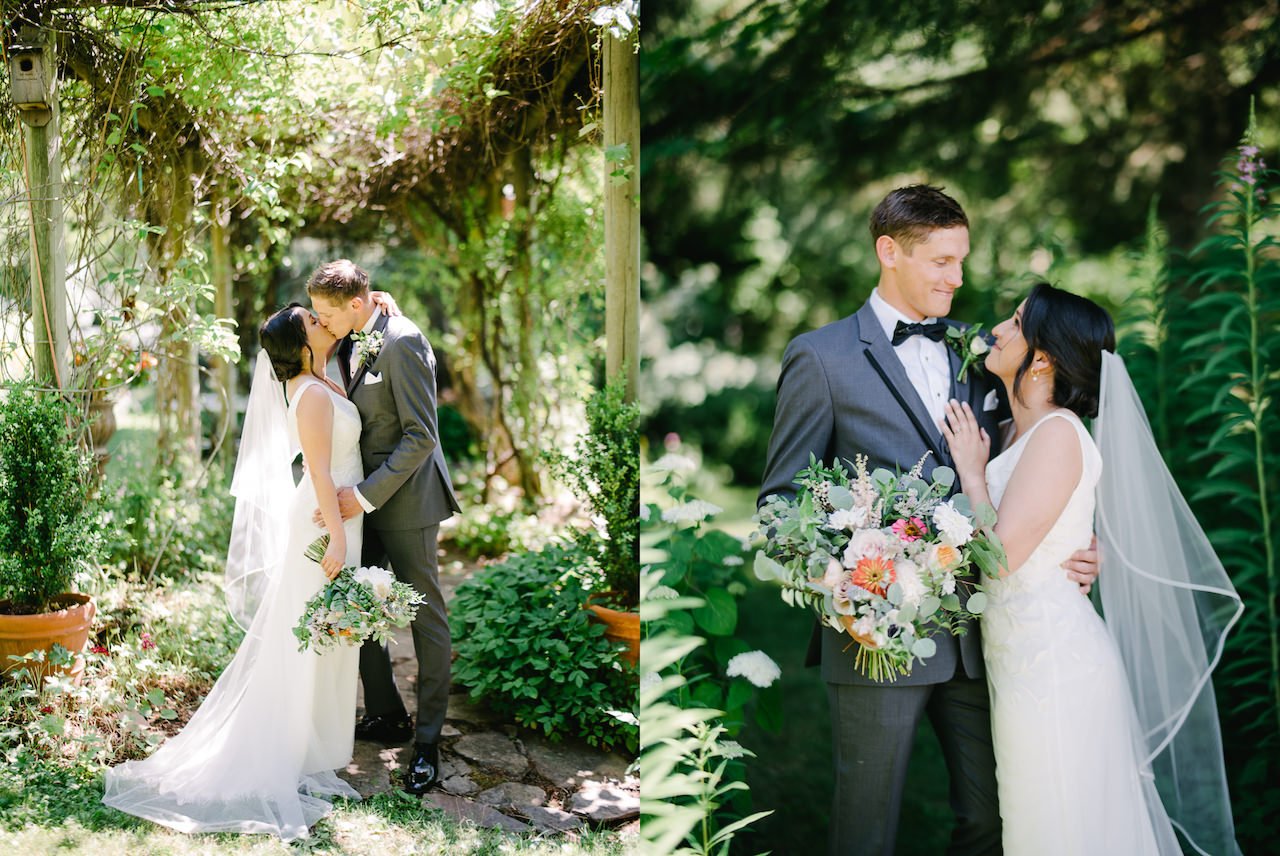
[1069, 752]
[261, 750]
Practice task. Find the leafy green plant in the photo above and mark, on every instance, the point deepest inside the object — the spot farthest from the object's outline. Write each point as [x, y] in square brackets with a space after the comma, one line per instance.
[527, 648]
[1235, 442]
[157, 522]
[686, 766]
[46, 516]
[692, 774]
[604, 473]
[490, 531]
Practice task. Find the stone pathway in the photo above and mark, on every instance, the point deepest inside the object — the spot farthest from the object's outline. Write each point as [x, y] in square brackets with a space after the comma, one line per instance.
[495, 774]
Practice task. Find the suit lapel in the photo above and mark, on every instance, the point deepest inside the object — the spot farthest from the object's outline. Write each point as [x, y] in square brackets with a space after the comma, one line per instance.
[880, 354]
[378, 327]
[344, 362]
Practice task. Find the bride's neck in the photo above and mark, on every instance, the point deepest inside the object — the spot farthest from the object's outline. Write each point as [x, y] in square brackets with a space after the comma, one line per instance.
[1036, 402]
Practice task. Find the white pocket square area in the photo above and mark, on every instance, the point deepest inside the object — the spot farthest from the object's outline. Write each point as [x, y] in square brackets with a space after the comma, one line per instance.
[991, 402]
[372, 377]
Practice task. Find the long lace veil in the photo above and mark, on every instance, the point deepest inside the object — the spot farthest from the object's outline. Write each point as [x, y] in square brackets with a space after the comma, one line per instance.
[1169, 604]
[262, 485]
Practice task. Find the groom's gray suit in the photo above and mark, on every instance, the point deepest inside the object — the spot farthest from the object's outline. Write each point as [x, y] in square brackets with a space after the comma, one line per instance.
[407, 482]
[843, 392]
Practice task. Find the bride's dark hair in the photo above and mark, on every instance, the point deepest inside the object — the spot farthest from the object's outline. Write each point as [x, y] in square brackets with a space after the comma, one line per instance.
[283, 336]
[1072, 331]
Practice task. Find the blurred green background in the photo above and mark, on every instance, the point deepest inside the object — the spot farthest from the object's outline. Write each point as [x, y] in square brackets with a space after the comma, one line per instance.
[1085, 141]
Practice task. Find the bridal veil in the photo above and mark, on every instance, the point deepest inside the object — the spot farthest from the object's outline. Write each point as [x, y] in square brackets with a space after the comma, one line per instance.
[1169, 604]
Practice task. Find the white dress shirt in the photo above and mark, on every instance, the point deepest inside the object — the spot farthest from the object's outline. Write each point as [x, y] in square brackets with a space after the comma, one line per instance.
[928, 367]
[367, 328]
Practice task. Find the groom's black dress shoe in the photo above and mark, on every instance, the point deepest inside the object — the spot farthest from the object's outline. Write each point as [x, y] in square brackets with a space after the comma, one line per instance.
[424, 769]
[385, 729]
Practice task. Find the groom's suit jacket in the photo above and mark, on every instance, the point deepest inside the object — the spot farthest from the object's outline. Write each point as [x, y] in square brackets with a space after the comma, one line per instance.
[406, 479]
[843, 392]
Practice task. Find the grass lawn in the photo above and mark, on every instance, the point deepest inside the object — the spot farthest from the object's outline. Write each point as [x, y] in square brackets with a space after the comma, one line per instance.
[45, 810]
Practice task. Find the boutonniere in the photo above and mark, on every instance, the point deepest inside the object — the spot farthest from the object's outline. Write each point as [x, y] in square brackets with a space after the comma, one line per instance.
[970, 344]
[368, 345]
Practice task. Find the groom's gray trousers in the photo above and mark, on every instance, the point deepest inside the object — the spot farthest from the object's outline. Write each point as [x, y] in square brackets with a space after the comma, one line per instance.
[873, 729]
[413, 558]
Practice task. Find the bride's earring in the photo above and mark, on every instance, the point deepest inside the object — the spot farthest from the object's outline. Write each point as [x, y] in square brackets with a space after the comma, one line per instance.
[1035, 375]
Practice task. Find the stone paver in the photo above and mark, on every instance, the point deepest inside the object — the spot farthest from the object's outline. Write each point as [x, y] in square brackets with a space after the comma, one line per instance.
[569, 764]
[474, 752]
[494, 751]
[461, 808]
[605, 802]
[545, 817]
[513, 794]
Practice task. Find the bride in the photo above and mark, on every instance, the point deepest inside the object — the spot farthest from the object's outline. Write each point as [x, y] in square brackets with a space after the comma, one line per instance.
[260, 752]
[1106, 734]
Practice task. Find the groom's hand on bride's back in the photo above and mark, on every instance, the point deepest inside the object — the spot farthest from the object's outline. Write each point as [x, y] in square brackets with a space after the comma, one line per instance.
[1082, 567]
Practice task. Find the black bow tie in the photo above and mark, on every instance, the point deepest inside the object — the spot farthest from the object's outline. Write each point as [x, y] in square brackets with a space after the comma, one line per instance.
[935, 330]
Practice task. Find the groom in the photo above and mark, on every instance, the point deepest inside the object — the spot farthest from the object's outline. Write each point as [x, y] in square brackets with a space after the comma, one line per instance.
[389, 371]
[876, 383]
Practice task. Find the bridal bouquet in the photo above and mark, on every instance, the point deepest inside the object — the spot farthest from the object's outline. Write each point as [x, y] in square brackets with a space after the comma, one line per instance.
[888, 559]
[358, 604]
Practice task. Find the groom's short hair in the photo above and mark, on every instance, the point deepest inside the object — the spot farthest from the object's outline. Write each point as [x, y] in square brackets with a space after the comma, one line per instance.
[339, 281]
[910, 213]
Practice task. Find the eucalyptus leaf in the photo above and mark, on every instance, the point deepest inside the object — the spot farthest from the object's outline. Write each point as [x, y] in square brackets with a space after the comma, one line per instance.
[977, 603]
[840, 497]
[924, 648]
[944, 476]
[767, 569]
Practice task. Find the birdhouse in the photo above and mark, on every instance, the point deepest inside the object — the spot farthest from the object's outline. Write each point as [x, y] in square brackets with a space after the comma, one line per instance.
[28, 80]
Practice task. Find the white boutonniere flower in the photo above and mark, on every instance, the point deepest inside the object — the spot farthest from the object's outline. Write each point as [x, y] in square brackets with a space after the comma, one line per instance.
[970, 344]
[367, 346]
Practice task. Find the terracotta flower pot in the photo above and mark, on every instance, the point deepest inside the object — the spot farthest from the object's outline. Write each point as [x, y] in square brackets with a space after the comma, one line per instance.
[620, 626]
[68, 627]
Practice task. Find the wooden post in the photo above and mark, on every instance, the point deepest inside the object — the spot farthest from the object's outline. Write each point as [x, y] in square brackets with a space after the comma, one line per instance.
[43, 165]
[223, 307]
[622, 208]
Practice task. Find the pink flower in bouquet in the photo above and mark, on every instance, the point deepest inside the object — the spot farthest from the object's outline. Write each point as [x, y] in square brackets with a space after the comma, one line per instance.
[910, 529]
[875, 574]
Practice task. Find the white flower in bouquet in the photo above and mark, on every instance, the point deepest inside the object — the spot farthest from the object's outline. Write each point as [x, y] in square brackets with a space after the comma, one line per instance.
[756, 666]
[835, 574]
[848, 519]
[948, 583]
[955, 528]
[908, 578]
[870, 544]
[379, 579]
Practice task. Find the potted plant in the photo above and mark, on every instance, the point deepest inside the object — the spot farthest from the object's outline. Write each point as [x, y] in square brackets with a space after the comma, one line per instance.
[603, 471]
[47, 528]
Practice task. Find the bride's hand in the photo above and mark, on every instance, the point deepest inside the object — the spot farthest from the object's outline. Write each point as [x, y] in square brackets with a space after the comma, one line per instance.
[386, 302]
[334, 557]
[969, 443]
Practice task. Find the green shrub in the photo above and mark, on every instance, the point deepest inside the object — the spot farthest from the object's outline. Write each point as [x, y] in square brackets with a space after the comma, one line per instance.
[604, 473]
[489, 531]
[526, 647]
[158, 519]
[47, 521]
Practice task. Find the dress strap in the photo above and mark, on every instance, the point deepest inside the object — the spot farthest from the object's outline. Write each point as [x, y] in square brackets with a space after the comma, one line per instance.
[297, 392]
